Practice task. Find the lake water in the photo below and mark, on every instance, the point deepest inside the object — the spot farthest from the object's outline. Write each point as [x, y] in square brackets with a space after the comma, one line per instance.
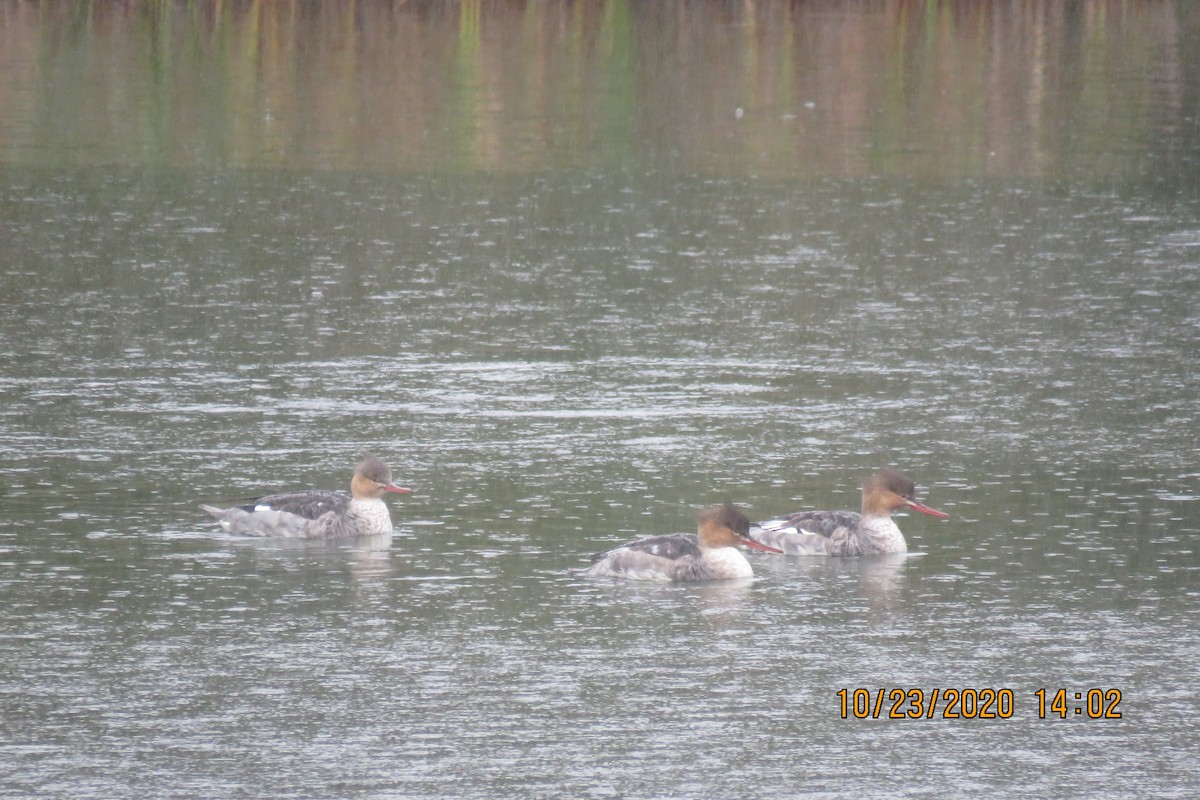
[576, 271]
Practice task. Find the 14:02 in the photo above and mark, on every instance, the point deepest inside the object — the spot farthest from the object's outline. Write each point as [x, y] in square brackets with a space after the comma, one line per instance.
[1095, 703]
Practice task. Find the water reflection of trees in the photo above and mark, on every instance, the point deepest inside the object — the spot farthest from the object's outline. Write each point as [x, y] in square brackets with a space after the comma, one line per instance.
[793, 88]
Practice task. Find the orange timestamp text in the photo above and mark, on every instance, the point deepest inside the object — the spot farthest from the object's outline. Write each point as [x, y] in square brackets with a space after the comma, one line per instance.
[985, 703]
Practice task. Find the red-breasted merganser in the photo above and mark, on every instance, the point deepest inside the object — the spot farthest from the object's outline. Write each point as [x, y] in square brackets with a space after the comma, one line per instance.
[711, 554]
[847, 533]
[318, 514]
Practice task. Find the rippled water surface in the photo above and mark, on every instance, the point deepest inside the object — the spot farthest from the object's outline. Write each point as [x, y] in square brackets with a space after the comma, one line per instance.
[566, 351]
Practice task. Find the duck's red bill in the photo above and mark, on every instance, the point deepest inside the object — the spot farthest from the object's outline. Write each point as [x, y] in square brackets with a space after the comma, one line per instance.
[391, 487]
[933, 512]
[766, 548]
